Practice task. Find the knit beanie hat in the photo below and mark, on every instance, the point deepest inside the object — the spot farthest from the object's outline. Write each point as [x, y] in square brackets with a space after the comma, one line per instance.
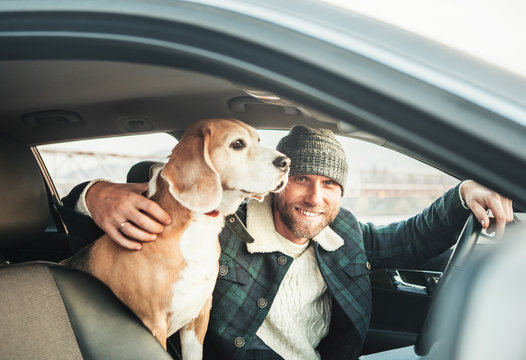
[315, 151]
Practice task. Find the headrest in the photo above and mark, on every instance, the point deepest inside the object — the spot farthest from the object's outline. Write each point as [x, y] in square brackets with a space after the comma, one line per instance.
[142, 171]
[24, 209]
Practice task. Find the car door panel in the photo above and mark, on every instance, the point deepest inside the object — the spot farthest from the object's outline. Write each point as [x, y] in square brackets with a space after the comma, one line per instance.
[400, 309]
[400, 302]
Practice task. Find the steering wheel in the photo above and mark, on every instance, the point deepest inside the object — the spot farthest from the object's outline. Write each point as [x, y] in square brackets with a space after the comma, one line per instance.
[465, 243]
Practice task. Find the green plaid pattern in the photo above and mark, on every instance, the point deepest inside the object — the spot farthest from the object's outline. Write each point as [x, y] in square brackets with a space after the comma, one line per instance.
[236, 315]
[414, 241]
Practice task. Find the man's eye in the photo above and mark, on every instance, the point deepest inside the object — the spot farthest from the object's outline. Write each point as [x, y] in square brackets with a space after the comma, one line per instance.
[301, 178]
[238, 144]
[331, 183]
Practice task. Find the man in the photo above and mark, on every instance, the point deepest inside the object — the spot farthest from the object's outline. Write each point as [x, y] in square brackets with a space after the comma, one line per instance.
[301, 289]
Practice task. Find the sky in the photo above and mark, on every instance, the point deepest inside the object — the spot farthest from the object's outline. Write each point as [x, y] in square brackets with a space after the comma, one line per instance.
[492, 30]
[127, 145]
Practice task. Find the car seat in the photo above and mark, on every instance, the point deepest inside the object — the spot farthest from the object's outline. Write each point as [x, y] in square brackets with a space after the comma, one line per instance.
[49, 311]
[141, 172]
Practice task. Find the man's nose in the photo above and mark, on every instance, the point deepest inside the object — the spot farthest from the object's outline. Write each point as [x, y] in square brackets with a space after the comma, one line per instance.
[313, 196]
[282, 162]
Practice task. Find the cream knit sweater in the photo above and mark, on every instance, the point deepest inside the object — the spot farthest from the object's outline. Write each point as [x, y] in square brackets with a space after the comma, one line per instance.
[300, 314]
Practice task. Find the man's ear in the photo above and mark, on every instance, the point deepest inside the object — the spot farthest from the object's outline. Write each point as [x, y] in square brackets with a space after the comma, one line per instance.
[192, 178]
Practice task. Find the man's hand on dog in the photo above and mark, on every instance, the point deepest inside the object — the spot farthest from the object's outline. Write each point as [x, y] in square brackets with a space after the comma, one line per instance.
[119, 210]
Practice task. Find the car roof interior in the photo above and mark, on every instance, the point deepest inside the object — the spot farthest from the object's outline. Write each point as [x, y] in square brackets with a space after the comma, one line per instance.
[105, 98]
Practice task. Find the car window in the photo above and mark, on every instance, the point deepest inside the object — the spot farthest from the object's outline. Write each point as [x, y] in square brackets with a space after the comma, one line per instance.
[71, 163]
[383, 185]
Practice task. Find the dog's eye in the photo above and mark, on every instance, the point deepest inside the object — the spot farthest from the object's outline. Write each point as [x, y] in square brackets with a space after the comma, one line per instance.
[238, 144]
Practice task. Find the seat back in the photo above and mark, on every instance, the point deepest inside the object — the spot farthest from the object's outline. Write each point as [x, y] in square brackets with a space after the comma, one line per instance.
[142, 171]
[49, 311]
[480, 314]
[24, 210]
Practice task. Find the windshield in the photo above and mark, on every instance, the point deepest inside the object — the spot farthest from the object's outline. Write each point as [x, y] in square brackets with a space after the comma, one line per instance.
[493, 31]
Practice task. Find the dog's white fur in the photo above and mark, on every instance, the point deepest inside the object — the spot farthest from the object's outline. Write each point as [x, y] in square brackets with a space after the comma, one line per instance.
[197, 278]
[169, 283]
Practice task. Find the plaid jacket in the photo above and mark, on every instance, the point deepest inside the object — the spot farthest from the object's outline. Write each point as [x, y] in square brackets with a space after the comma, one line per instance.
[247, 283]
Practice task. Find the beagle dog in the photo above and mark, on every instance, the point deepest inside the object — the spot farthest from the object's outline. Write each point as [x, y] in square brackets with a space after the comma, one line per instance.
[216, 165]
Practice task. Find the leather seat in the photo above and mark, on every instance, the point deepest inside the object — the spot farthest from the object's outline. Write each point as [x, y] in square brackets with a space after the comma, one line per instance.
[49, 311]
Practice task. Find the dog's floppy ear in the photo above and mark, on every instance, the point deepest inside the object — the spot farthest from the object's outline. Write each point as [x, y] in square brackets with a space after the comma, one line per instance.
[192, 178]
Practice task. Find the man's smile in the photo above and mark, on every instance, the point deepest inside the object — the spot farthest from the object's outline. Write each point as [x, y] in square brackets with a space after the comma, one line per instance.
[308, 213]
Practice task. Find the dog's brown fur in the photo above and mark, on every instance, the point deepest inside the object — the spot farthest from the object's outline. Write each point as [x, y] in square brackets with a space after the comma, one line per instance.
[198, 178]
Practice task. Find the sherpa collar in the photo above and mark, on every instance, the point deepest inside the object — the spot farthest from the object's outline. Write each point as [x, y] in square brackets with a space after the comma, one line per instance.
[260, 226]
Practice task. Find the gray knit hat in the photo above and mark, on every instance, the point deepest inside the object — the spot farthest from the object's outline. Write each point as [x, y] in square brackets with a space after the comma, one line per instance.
[315, 151]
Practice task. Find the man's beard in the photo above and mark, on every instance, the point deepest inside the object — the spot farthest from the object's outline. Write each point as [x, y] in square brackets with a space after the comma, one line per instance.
[303, 228]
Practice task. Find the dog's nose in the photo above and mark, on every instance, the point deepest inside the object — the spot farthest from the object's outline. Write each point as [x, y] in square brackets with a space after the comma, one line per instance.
[282, 162]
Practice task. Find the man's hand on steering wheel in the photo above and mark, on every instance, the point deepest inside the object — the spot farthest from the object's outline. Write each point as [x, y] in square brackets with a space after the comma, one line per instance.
[481, 199]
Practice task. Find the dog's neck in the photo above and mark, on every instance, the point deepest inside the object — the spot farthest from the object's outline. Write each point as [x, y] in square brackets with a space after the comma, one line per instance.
[158, 186]
[230, 201]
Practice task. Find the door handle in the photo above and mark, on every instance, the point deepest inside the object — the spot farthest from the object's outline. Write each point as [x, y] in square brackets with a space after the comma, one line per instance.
[414, 281]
